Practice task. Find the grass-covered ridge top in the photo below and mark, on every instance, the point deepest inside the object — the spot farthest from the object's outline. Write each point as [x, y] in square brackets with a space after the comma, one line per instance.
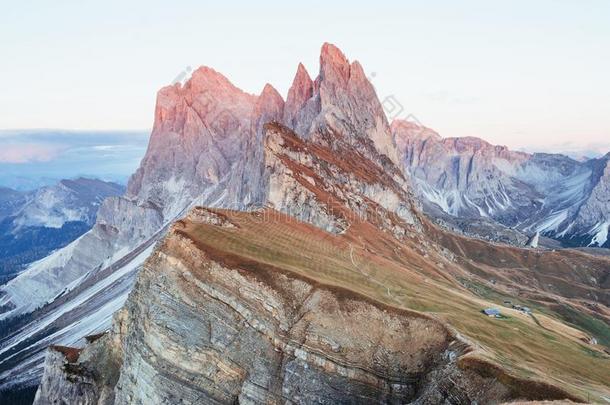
[370, 263]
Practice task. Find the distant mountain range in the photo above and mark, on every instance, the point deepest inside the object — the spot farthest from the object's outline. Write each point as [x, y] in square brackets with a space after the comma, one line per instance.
[33, 224]
[473, 185]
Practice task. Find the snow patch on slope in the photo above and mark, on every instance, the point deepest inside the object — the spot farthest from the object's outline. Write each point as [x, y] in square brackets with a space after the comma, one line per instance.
[99, 302]
[600, 232]
[552, 222]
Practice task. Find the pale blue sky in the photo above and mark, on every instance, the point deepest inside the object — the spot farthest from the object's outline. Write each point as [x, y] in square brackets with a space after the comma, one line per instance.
[520, 73]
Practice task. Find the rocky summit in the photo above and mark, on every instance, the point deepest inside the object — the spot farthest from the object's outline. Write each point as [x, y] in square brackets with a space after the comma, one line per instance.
[270, 251]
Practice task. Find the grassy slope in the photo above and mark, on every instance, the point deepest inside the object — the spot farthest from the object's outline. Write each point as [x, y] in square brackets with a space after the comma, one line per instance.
[369, 262]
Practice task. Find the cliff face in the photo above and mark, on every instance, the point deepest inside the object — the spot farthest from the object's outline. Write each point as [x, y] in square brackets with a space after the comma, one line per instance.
[84, 376]
[594, 214]
[310, 181]
[220, 335]
[200, 328]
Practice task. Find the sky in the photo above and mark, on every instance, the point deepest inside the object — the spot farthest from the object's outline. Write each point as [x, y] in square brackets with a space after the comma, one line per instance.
[530, 75]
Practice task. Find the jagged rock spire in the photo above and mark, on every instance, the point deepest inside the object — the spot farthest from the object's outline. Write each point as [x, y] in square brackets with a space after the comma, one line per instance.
[341, 100]
[270, 104]
[334, 66]
[300, 92]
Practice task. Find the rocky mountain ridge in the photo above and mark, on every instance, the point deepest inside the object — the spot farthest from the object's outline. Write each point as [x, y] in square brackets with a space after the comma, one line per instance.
[206, 148]
[468, 178]
[264, 336]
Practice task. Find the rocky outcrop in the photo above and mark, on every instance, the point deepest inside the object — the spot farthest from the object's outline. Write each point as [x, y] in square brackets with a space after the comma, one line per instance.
[83, 376]
[342, 101]
[64, 382]
[468, 178]
[308, 181]
[301, 106]
[249, 187]
[212, 334]
[594, 215]
[200, 132]
[222, 335]
[203, 332]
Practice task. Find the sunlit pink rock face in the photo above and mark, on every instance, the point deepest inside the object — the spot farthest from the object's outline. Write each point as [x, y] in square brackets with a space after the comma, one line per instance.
[341, 100]
[296, 110]
[207, 138]
[199, 133]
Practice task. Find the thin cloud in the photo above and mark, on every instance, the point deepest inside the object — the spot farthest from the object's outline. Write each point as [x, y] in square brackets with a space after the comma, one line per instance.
[28, 153]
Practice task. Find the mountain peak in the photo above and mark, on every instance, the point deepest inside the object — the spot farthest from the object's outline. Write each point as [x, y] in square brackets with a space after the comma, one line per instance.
[333, 64]
[299, 93]
[270, 103]
[331, 53]
[206, 79]
[208, 73]
[302, 74]
[347, 96]
[405, 131]
[270, 92]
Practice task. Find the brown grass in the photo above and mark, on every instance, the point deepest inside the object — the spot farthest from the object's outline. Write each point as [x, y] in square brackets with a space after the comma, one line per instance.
[71, 353]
